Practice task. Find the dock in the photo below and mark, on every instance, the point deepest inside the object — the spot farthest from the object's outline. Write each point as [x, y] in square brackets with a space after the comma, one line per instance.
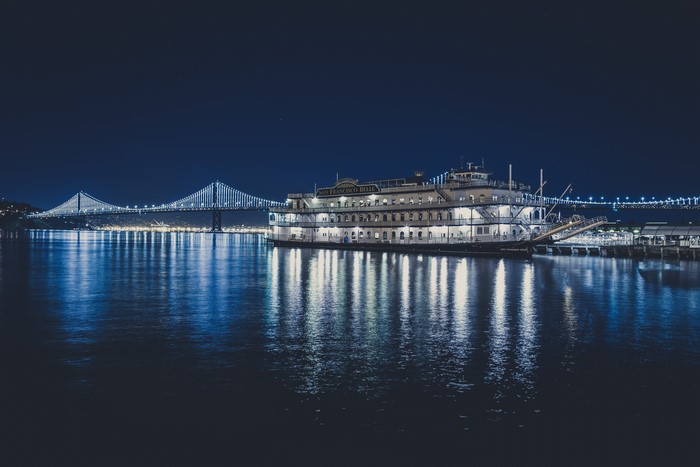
[621, 251]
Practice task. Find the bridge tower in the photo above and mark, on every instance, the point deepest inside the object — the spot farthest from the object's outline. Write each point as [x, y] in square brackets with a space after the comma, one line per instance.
[216, 210]
[81, 218]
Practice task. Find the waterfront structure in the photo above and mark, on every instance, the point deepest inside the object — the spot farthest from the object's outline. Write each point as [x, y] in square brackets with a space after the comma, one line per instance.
[215, 198]
[463, 211]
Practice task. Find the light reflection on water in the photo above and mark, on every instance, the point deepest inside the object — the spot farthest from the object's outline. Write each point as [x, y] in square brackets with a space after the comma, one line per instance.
[347, 318]
[484, 333]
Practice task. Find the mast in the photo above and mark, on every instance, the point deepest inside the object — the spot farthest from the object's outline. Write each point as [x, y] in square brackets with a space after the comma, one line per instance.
[541, 199]
[510, 181]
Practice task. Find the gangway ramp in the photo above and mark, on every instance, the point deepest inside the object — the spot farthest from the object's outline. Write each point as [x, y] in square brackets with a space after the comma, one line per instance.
[571, 227]
[587, 224]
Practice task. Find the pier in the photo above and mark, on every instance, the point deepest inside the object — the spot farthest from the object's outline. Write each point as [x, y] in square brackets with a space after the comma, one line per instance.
[621, 251]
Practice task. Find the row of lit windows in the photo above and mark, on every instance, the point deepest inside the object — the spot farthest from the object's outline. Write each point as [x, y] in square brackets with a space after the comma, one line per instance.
[385, 235]
[385, 217]
[393, 202]
[385, 202]
[401, 234]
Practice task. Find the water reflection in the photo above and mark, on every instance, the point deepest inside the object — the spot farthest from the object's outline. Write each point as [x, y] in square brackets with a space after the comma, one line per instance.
[324, 321]
[498, 331]
[526, 348]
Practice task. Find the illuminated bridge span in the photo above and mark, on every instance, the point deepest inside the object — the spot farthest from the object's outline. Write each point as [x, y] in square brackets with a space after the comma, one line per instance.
[215, 197]
[691, 202]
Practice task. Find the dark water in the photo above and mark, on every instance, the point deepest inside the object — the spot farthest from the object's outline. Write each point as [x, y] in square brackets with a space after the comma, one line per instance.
[162, 349]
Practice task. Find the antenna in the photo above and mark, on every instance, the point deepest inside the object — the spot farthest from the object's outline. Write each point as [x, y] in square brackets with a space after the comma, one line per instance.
[461, 162]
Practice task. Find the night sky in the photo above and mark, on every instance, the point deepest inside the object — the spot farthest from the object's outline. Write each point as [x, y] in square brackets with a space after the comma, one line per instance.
[147, 102]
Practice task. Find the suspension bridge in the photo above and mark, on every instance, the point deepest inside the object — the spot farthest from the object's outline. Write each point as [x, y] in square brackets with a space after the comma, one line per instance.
[215, 197]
